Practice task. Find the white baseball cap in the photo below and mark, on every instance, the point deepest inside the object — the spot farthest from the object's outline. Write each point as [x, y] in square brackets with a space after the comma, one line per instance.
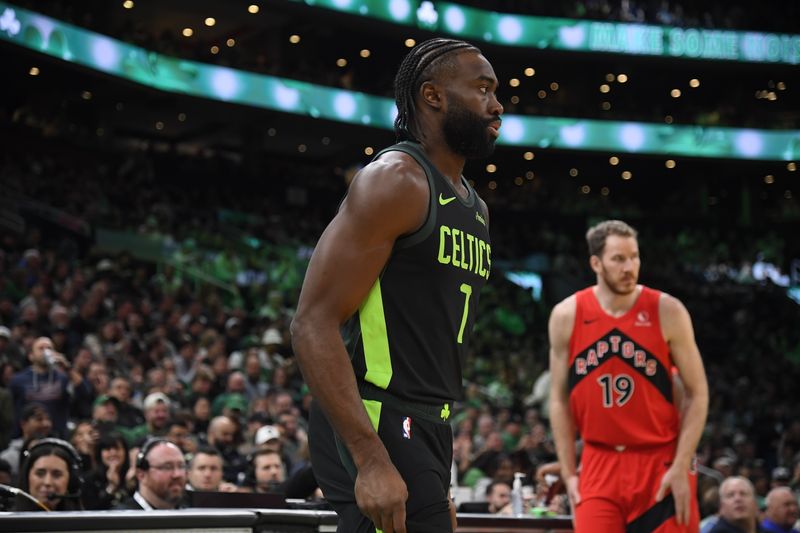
[156, 397]
[266, 434]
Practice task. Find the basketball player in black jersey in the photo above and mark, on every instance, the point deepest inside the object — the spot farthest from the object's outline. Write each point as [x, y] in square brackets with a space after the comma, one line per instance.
[397, 273]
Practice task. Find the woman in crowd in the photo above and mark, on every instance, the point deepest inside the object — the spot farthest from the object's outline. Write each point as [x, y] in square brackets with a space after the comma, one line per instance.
[51, 474]
[106, 485]
[84, 440]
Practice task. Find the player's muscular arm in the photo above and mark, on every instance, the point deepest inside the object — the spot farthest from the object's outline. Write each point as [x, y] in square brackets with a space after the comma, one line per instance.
[559, 332]
[676, 325]
[389, 198]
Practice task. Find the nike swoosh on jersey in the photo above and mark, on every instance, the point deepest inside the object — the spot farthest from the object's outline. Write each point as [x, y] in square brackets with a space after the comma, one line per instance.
[445, 201]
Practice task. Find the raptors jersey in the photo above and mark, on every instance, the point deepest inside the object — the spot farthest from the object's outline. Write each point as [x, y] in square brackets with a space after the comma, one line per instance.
[620, 384]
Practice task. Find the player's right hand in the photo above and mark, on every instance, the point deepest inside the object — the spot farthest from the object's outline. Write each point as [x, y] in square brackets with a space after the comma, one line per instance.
[381, 495]
[572, 491]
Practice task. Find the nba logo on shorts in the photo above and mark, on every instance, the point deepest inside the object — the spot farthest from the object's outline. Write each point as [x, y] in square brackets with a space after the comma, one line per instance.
[407, 427]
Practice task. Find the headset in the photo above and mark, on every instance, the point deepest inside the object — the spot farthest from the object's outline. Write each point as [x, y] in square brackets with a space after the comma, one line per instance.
[249, 478]
[149, 444]
[74, 459]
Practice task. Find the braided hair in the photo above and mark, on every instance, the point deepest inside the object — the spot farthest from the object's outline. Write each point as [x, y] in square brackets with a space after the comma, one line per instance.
[420, 65]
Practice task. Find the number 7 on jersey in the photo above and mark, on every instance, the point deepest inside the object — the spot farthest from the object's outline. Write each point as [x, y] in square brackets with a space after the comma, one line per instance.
[467, 290]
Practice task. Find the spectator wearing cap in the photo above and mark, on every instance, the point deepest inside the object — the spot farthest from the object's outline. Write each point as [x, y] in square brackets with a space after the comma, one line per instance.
[223, 436]
[105, 412]
[235, 407]
[157, 408]
[35, 422]
[270, 437]
[45, 381]
[272, 341]
[128, 415]
[782, 511]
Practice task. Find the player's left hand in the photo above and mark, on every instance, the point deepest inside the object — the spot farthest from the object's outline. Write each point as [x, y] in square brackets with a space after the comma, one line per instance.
[676, 480]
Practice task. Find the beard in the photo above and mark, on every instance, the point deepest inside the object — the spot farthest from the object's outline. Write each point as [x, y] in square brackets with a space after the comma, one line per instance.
[621, 287]
[173, 493]
[466, 133]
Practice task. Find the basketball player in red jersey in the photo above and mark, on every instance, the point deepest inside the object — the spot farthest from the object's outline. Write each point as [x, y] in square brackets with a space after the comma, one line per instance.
[613, 350]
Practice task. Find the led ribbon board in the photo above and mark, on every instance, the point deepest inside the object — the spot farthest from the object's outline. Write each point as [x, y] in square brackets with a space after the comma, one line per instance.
[104, 54]
[576, 35]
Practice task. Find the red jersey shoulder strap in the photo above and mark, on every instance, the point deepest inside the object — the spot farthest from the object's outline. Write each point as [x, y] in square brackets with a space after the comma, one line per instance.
[586, 302]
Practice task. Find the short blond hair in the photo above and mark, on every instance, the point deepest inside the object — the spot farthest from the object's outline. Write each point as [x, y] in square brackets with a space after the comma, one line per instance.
[597, 234]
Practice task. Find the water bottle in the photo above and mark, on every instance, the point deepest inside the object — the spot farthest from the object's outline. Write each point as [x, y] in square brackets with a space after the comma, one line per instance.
[516, 494]
[49, 357]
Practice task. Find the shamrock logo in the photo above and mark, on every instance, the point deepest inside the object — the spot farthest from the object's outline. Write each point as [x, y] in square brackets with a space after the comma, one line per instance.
[9, 22]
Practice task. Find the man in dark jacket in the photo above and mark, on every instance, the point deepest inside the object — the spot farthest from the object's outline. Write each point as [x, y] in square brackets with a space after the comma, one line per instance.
[737, 507]
[46, 382]
[161, 471]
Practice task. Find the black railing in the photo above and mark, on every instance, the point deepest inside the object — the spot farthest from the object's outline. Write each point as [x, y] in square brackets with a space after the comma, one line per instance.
[243, 521]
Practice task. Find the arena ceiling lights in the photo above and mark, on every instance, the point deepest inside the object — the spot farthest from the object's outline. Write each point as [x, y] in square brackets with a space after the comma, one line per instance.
[573, 35]
[104, 54]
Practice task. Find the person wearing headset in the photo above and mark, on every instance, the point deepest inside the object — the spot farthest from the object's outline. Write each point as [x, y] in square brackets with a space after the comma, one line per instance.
[266, 472]
[161, 473]
[51, 473]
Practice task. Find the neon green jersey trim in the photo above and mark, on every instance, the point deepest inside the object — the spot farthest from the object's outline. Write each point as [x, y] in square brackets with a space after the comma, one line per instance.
[373, 408]
[377, 357]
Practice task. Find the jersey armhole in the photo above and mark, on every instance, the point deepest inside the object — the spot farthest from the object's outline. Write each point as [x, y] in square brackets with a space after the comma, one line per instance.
[421, 233]
[579, 296]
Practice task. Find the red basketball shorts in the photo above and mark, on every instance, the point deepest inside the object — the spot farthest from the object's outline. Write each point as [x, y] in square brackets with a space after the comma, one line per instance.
[618, 489]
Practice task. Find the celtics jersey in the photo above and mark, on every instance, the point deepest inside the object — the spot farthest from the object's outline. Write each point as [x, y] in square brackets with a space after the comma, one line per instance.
[411, 334]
